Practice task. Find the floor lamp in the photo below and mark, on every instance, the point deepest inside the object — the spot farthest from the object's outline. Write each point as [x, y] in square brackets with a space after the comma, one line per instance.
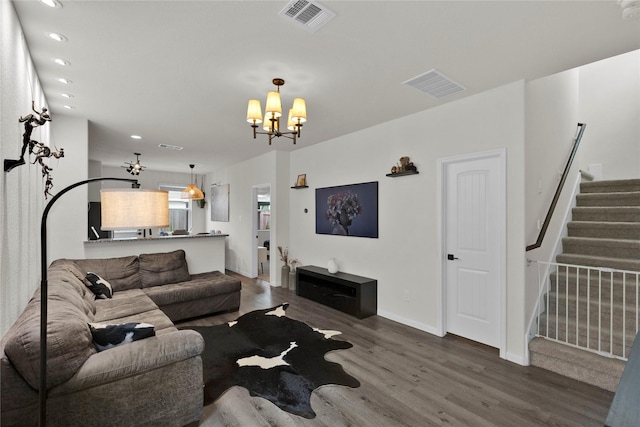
[120, 208]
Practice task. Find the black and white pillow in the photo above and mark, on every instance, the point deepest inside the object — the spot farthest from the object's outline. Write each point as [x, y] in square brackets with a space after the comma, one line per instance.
[109, 336]
[99, 286]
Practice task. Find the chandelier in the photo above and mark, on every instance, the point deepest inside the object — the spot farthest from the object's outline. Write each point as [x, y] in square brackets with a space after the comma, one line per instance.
[273, 111]
[134, 168]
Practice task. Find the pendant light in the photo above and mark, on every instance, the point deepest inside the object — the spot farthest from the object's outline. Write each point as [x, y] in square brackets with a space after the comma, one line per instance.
[192, 191]
[134, 168]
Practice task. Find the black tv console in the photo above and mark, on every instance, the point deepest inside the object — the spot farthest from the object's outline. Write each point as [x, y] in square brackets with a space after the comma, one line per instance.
[349, 293]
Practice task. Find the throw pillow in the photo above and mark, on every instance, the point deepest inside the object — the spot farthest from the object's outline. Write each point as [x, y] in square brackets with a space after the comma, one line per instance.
[109, 336]
[100, 287]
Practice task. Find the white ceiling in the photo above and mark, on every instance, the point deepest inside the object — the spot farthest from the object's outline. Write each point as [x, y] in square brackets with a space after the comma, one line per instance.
[181, 72]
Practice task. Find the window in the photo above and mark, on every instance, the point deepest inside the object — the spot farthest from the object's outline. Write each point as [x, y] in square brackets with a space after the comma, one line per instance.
[179, 209]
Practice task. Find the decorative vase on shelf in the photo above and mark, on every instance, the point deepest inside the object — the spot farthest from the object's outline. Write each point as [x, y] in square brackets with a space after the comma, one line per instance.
[284, 276]
[292, 280]
[333, 266]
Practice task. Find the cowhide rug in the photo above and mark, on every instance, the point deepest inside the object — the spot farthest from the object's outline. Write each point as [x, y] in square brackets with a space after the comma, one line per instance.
[272, 356]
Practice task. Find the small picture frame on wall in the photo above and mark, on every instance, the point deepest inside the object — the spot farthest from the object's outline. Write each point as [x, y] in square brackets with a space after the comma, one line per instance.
[302, 180]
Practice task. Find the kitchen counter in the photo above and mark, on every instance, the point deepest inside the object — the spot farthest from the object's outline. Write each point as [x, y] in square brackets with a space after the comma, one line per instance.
[204, 252]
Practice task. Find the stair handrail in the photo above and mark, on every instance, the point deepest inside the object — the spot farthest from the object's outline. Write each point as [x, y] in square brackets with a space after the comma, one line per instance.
[556, 196]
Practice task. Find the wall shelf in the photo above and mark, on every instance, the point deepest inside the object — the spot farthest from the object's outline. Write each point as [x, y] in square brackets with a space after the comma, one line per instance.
[300, 186]
[403, 173]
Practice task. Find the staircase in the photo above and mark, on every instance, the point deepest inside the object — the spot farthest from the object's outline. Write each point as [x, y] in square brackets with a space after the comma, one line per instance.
[591, 308]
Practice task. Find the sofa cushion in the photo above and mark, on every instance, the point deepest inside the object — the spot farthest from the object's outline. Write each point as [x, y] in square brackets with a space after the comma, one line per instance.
[66, 287]
[69, 341]
[163, 268]
[109, 336]
[60, 269]
[200, 286]
[125, 303]
[121, 272]
[99, 286]
[156, 317]
[68, 266]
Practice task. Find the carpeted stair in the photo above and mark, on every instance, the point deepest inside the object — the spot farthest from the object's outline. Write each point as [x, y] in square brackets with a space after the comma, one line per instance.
[604, 232]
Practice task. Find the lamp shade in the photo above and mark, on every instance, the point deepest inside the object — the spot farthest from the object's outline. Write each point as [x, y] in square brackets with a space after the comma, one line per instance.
[254, 112]
[273, 104]
[271, 126]
[192, 192]
[291, 125]
[299, 110]
[128, 208]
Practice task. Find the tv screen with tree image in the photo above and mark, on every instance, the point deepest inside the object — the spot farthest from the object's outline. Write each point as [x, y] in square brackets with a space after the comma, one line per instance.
[348, 210]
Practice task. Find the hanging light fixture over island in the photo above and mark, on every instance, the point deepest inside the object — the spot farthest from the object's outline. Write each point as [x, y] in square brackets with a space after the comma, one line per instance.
[192, 191]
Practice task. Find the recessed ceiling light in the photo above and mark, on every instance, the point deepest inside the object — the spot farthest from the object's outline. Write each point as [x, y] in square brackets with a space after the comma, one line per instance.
[69, 107]
[57, 37]
[67, 95]
[136, 137]
[51, 3]
[61, 61]
[65, 81]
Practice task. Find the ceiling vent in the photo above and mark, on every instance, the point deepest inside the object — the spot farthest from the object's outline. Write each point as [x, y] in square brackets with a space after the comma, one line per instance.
[171, 147]
[435, 83]
[309, 14]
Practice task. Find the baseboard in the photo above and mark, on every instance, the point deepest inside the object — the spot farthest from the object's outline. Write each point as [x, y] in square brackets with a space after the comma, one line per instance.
[515, 358]
[417, 325]
[241, 272]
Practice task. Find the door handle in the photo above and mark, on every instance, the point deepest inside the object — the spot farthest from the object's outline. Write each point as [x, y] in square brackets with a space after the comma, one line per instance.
[450, 257]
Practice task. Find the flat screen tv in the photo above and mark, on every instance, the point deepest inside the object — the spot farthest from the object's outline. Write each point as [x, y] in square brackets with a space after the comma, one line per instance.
[348, 210]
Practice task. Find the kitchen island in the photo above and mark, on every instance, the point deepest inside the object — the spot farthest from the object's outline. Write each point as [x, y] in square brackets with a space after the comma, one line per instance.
[204, 252]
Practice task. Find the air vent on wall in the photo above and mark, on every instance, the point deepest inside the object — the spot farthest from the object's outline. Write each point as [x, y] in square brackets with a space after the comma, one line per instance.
[171, 147]
[308, 14]
[435, 83]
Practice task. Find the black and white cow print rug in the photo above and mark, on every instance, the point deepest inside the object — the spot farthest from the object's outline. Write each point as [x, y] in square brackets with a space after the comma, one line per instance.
[272, 356]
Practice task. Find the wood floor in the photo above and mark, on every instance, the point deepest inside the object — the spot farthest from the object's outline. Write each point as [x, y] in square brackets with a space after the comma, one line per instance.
[409, 378]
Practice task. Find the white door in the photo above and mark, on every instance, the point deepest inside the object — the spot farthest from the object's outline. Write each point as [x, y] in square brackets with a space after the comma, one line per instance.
[474, 232]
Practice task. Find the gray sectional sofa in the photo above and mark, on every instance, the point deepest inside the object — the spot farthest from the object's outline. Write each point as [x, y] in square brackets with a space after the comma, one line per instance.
[156, 381]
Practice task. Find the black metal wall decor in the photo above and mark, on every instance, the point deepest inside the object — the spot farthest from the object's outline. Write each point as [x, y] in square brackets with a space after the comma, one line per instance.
[38, 149]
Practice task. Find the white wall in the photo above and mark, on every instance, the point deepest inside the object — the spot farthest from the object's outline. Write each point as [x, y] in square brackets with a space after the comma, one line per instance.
[405, 256]
[21, 190]
[610, 105]
[270, 169]
[551, 122]
[67, 222]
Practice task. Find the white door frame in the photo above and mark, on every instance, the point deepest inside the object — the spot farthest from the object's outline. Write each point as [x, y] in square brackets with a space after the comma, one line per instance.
[441, 184]
[254, 232]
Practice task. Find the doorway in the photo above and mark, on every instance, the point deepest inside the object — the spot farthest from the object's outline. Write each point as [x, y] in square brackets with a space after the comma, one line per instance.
[473, 247]
[262, 232]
